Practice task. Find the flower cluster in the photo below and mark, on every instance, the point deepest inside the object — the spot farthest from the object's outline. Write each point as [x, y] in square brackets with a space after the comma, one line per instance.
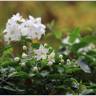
[42, 53]
[17, 26]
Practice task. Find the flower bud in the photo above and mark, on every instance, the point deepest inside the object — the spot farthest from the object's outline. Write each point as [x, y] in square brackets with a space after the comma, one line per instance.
[24, 47]
[23, 64]
[60, 56]
[35, 68]
[24, 55]
[68, 61]
[45, 44]
[16, 59]
[62, 61]
[50, 63]
[59, 63]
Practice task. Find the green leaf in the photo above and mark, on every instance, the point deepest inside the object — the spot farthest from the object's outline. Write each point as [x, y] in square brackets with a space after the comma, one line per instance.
[84, 66]
[74, 35]
[20, 74]
[87, 91]
[89, 39]
[57, 34]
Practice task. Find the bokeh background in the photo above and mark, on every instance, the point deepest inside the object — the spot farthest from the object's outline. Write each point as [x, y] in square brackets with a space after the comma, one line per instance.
[60, 16]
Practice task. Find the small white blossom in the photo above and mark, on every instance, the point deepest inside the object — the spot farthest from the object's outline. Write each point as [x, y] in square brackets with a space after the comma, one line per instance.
[51, 58]
[68, 62]
[33, 28]
[24, 55]
[41, 53]
[66, 41]
[66, 52]
[61, 56]
[18, 17]
[35, 68]
[12, 31]
[50, 63]
[16, 59]
[77, 40]
[24, 47]
[45, 44]
[23, 64]
[59, 63]
[62, 61]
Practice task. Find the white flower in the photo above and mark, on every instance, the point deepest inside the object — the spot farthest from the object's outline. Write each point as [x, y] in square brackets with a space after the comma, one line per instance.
[41, 53]
[12, 31]
[18, 17]
[62, 61]
[68, 62]
[17, 27]
[24, 47]
[24, 55]
[59, 63]
[66, 41]
[77, 41]
[33, 28]
[61, 56]
[23, 64]
[51, 58]
[16, 59]
[45, 44]
[50, 63]
[35, 68]
[66, 52]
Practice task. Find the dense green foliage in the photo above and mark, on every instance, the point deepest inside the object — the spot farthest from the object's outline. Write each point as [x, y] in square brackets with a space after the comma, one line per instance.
[73, 72]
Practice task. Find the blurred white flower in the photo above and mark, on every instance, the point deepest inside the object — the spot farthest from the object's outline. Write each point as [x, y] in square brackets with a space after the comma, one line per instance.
[17, 17]
[23, 64]
[60, 56]
[35, 68]
[62, 60]
[33, 28]
[45, 44]
[77, 40]
[24, 55]
[12, 30]
[12, 33]
[51, 58]
[66, 41]
[41, 53]
[60, 63]
[16, 59]
[17, 26]
[68, 62]
[24, 47]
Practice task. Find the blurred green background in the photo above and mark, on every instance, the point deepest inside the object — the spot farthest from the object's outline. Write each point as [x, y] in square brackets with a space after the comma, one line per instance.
[62, 15]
